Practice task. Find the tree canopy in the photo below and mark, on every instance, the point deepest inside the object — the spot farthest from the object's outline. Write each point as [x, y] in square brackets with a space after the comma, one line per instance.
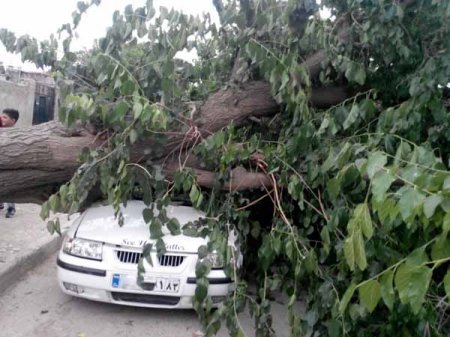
[323, 142]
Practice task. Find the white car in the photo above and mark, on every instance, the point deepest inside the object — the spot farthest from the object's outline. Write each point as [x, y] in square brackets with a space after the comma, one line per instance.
[99, 259]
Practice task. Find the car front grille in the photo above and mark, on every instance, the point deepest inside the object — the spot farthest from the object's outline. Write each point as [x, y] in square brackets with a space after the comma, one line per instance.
[147, 299]
[170, 260]
[165, 260]
[128, 257]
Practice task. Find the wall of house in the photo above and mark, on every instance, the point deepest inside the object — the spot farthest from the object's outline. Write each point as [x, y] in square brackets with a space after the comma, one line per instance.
[19, 96]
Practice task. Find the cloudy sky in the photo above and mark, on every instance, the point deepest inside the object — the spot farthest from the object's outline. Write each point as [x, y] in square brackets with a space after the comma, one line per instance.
[42, 18]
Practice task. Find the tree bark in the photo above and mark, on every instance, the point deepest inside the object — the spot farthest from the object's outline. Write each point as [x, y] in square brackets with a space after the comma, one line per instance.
[36, 160]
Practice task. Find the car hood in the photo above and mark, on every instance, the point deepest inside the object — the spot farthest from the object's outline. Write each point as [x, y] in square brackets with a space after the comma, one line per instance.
[99, 224]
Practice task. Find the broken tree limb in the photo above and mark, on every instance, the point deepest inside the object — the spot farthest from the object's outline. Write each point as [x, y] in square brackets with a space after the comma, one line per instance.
[240, 178]
[36, 160]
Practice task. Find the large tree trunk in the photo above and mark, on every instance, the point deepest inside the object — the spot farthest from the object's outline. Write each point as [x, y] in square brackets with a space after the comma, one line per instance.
[36, 160]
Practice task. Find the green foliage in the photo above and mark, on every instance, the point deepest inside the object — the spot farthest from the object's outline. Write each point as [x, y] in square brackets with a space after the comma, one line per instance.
[361, 206]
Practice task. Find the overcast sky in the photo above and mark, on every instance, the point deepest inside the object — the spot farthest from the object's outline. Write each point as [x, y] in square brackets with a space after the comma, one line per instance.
[40, 18]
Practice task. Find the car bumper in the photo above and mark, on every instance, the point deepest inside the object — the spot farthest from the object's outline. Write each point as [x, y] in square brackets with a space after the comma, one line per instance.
[91, 280]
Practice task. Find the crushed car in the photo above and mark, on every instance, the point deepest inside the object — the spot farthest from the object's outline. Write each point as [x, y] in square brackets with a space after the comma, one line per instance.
[98, 260]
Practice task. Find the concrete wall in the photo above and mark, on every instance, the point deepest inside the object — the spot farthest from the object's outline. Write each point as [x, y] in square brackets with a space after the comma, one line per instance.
[19, 96]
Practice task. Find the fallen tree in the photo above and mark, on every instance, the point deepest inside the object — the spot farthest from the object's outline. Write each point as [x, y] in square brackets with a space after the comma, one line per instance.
[340, 123]
[39, 159]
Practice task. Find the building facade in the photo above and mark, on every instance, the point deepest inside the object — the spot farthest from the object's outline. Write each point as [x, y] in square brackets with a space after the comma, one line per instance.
[34, 95]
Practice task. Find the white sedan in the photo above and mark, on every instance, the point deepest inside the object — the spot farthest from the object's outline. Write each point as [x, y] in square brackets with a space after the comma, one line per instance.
[99, 259]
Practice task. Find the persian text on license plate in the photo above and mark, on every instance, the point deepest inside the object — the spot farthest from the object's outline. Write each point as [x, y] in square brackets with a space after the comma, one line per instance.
[167, 285]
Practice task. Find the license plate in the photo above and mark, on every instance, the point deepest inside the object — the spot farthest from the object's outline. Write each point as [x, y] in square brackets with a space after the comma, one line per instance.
[160, 284]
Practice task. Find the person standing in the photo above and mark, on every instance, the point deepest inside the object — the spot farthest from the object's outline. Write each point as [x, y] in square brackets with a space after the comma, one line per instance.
[9, 118]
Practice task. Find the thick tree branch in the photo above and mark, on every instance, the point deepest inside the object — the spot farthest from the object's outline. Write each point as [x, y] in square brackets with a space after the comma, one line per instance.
[326, 97]
[240, 178]
[236, 105]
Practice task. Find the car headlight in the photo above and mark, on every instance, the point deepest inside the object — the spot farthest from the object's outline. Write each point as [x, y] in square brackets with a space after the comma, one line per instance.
[215, 259]
[83, 248]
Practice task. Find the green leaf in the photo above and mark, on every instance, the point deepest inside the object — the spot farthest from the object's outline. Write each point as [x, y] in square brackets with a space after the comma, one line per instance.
[311, 263]
[409, 201]
[101, 78]
[325, 236]
[415, 87]
[361, 220]
[156, 229]
[194, 194]
[133, 136]
[387, 209]
[199, 201]
[189, 231]
[146, 253]
[202, 251]
[127, 88]
[351, 117]
[120, 110]
[174, 226]
[160, 247]
[201, 291]
[45, 210]
[403, 280]
[54, 202]
[412, 284]
[351, 176]
[266, 254]
[370, 294]
[329, 162]
[355, 72]
[417, 257]
[360, 75]
[419, 288]
[431, 203]
[446, 222]
[387, 289]
[346, 298]
[334, 187]
[146, 113]
[323, 126]
[360, 251]
[447, 285]
[58, 226]
[441, 248]
[147, 214]
[445, 204]
[51, 227]
[446, 184]
[381, 182]
[366, 221]
[376, 161]
[202, 268]
[349, 253]
[137, 110]
[159, 119]
[343, 156]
